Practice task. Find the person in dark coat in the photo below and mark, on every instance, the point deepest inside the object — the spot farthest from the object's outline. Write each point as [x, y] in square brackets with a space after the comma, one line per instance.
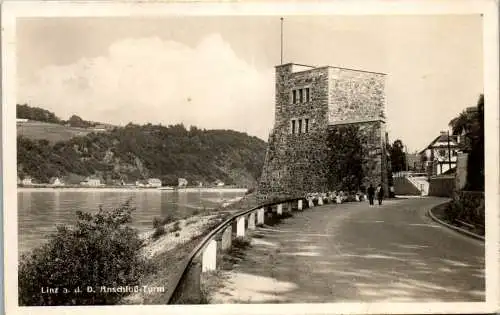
[371, 194]
[380, 194]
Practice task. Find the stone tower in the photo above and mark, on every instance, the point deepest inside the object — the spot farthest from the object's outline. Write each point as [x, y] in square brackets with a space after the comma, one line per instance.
[311, 104]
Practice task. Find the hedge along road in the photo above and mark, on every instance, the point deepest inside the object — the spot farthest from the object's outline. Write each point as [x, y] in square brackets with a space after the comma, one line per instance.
[353, 252]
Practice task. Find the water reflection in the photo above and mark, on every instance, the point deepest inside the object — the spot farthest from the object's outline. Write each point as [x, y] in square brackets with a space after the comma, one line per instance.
[39, 212]
[168, 206]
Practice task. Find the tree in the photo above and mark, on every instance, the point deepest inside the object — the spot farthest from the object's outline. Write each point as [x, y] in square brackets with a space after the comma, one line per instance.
[398, 156]
[423, 161]
[470, 125]
[345, 159]
[77, 121]
[36, 113]
[468, 120]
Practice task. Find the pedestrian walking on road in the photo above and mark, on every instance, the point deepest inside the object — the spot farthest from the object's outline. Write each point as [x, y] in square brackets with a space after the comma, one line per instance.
[380, 194]
[371, 194]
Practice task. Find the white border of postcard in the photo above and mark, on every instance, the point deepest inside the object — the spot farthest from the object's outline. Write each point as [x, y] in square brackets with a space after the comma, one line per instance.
[489, 8]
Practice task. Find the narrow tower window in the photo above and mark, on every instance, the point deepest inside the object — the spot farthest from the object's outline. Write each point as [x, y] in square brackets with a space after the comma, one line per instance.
[301, 95]
[300, 126]
[294, 96]
[306, 125]
[293, 126]
[307, 94]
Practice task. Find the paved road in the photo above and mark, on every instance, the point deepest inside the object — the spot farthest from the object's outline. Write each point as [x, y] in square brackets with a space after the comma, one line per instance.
[353, 253]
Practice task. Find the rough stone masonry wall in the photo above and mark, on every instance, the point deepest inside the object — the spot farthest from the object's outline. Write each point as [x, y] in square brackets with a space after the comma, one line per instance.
[375, 165]
[355, 95]
[295, 163]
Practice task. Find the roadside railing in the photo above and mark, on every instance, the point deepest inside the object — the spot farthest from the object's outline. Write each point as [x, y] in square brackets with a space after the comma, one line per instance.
[418, 180]
[409, 174]
[421, 183]
[187, 286]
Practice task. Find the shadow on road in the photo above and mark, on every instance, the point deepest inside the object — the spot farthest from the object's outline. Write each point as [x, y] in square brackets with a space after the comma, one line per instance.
[352, 253]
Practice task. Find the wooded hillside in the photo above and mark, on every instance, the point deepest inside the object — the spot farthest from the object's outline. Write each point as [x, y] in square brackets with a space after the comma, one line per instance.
[137, 152]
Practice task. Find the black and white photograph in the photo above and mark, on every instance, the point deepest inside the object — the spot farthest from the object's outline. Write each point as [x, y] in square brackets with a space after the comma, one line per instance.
[305, 158]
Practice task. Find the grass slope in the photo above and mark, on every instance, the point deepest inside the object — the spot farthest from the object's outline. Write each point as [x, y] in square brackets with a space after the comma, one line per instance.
[36, 130]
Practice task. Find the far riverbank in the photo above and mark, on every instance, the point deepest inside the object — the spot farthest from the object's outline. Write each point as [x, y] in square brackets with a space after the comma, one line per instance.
[127, 189]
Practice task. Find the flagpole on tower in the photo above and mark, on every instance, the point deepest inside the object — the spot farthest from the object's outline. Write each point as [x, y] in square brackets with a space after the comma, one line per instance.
[281, 40]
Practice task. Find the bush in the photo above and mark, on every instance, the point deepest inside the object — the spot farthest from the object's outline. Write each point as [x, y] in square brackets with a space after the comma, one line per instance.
[453, 210]
[159, 231]
[467, 207]
[176, 227]
[471, 207]
[157, 222]
[100, 250]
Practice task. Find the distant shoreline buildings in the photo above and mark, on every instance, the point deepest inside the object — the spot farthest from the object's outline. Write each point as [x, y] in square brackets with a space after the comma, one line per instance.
[94, 182]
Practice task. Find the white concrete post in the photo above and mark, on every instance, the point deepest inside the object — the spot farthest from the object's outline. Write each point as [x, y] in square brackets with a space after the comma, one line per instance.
[227, 238]
[209, 258]
[357, 197]
[311, 202]
[299, 204]
[251, 221]
[240, 226]
[260, 216]
[290, 207]
[280, 209]
[339, 199]
[320, 201]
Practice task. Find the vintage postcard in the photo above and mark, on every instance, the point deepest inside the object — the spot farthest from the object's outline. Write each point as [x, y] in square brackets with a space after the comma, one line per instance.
[250, 158]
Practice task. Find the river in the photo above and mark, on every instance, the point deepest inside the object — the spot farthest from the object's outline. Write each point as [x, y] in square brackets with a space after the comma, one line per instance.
[41, 210]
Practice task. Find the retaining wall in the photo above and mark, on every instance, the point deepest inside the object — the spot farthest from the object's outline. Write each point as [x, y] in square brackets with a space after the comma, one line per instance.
[403, 186]
[442, 186]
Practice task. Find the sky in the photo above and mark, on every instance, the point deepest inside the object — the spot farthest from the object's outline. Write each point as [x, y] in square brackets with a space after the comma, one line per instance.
[218, 72]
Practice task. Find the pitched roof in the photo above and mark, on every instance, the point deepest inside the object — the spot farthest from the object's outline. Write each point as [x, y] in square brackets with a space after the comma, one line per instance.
[441, 138]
